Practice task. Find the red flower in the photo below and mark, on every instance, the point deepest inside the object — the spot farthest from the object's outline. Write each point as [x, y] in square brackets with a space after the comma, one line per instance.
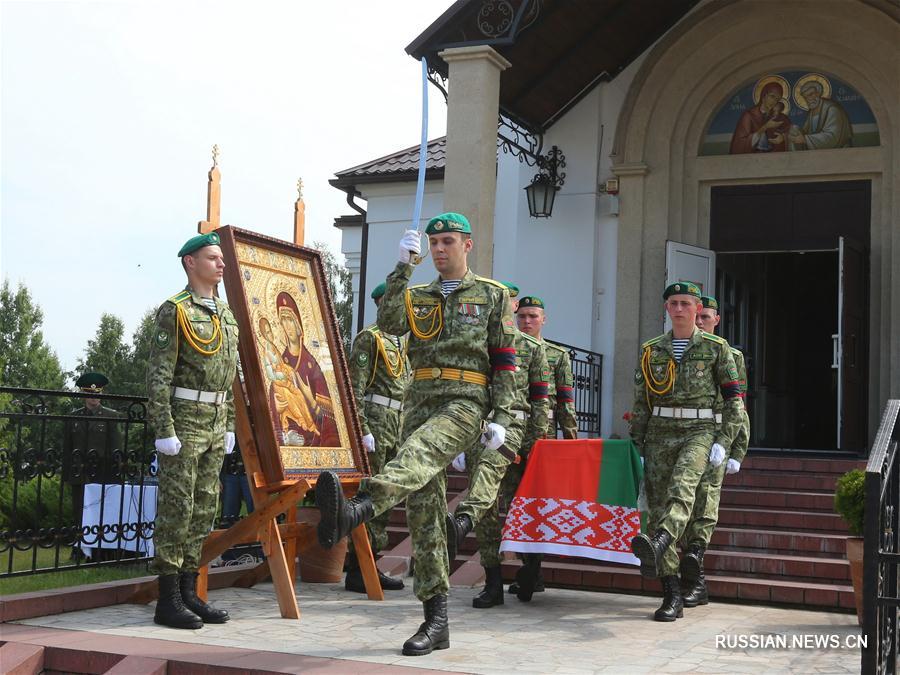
[627, 416]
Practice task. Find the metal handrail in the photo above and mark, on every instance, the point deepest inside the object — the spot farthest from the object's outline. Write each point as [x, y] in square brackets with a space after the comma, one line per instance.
[881, 558]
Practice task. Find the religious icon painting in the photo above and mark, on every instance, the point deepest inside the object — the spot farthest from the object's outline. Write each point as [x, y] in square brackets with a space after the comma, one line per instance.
[295, 373]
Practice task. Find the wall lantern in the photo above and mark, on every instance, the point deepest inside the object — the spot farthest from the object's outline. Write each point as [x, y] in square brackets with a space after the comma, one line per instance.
[542, 192]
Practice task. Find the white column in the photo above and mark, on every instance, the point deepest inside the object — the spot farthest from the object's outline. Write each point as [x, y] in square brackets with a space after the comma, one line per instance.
[470, 174]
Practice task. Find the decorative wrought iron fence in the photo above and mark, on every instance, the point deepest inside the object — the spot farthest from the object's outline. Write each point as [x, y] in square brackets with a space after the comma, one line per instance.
[587, 369]
[881, 557]
[77, 480]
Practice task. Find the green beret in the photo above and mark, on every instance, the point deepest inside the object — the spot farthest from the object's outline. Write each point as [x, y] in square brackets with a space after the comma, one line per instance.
[379, 290]
[198, 242]
[92, 382]
[682, 288]
[709, 302]
[448, 222]
[513, 289]
[531, 301]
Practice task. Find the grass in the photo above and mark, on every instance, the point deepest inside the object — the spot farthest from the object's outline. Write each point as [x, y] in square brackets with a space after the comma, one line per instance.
[70, 577]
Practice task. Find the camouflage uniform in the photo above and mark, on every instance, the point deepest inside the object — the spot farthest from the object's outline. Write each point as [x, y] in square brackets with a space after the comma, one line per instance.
[706, 503]
[442, 416]
[562, 393]
[189, 481]
[676, 451]
[369, 376]
[488, 469]
[89, 453]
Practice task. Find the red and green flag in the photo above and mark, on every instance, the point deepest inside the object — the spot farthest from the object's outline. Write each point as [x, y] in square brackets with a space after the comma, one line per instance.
[577, 498]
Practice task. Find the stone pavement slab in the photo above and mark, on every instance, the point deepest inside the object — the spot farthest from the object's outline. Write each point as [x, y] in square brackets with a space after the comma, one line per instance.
[563, 632]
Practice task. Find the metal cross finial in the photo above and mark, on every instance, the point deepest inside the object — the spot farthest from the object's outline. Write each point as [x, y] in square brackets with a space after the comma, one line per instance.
[215, 155]
[300, 188]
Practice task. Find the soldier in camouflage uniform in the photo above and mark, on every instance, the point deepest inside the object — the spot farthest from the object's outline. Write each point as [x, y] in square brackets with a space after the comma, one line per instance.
[462, 340]
[679, 376]
[379, 374]
[705, 515]
[487, 469]
[531, 317]
[89, 449]
[193, 363]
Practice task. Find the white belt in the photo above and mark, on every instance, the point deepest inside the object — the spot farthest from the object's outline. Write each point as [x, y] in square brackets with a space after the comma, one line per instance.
[217, 397]
[385, 401]
[684, 413]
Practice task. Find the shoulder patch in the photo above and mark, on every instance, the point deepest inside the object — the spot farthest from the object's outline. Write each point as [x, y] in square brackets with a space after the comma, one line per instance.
[179, 297]
[713, 338]
[493, 282]
[162, 338]
[652, 341]
[556, 347]
[362, 359]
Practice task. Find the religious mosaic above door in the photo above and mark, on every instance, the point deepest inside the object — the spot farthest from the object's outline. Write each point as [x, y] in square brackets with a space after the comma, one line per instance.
[791, 111]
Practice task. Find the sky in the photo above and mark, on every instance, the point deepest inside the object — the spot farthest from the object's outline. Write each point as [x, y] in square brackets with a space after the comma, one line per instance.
[109, 111]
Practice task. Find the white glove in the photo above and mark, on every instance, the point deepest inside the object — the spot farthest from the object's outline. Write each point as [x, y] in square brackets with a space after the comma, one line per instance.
[410, 245]
[716, 454]
[459, 462]
[733, 466]
[493, 437]
[168, 446]
[369, 442]
[229, 442]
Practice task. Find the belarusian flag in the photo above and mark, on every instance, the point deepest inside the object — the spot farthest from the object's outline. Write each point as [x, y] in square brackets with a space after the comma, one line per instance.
[577, 498]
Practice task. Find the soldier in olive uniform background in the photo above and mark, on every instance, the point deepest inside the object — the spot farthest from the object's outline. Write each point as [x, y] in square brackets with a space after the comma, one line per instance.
[679, 376]
[462, 340]
[193, 363]
[705, 515]
[89, 446]
[531, 316]
[379, 375]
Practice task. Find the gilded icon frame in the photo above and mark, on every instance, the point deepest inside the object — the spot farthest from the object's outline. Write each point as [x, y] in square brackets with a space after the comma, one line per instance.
[296, 383]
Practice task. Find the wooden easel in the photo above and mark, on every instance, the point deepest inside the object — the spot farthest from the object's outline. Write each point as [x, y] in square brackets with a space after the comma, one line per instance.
[281, 542]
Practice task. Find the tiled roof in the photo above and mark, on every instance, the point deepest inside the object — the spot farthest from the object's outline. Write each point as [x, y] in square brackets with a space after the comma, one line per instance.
[397, 164]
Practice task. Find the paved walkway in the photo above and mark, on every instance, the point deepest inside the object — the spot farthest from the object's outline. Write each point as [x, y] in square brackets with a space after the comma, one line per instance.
[560, 631]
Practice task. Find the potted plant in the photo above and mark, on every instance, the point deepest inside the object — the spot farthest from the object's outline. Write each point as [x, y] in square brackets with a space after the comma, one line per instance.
[319, 565]
[849, 504]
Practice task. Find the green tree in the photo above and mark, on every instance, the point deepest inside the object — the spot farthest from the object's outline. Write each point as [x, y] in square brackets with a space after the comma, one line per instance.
[26, 360]
[340, 285]
[106, 352]
[124, 364]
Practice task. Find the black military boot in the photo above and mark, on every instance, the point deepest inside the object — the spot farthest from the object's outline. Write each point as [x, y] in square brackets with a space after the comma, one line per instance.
[434, 633]
[187, 583]
[650, 551]
[538, 585]
[672, 606]
[527, 576]
[693, 582]
[170, 609]
[354, 579]
[338, 516]
[458, 526]
[492, 593]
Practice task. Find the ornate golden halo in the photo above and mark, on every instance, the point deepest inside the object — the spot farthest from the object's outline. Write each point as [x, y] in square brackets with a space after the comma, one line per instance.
[763, 81]
[811, 77]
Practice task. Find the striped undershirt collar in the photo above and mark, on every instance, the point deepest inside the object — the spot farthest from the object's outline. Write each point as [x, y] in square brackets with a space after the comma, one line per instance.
[449, 285]
[211, 304]
[678, 347]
